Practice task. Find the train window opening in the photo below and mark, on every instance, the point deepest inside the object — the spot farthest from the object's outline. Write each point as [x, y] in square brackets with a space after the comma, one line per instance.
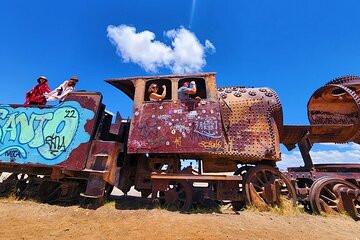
[200, 87]
[159, 83]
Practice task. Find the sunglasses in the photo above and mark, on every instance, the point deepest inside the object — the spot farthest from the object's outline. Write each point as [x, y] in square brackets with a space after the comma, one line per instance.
[155, 87]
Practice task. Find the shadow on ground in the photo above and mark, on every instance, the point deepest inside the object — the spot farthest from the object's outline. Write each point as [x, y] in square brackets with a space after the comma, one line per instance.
[133, 203]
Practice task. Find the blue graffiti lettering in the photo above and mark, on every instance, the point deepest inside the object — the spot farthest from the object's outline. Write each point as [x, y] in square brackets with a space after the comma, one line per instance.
[44, 134]
[21, 152]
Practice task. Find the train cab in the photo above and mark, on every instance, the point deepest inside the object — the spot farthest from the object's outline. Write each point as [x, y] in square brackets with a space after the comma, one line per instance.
[173, 125]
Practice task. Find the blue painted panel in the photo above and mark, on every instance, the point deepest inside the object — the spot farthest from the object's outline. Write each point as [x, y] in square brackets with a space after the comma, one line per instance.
[42, 136]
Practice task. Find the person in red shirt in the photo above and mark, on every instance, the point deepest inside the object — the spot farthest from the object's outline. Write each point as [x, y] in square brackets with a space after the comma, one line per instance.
[36, 95]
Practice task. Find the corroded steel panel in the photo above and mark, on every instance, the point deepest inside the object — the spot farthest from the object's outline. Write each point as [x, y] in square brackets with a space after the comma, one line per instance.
[102, 157]
[48, 136]
[338, 103]
[180, 126]
[92, 102]
[251, 117]
[317, 133]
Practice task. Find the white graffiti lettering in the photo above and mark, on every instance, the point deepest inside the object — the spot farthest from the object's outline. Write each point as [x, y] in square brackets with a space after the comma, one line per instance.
[207, 127]
[164, 117]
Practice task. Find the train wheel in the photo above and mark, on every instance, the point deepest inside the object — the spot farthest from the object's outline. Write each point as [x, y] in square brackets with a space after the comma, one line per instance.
[28, 187]
[325, 195]
[8, 184]
[266, 186]
[49, 191]
[177, 196]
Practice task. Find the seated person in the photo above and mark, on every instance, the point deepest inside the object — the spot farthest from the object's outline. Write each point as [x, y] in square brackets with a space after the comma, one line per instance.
[36, 95]
[63, 90]
[185, 90]
[153, 95]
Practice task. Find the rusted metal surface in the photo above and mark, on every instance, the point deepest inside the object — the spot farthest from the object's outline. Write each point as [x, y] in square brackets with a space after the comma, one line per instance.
[247, 129]
[92, 102]
[159, 165]
[176, 195]
[351, 201]
[304, 178]
[173, 125]
[57, 136]
[170, 127]
[196, 177]
[340, 168]
[201, 190]
[102, 158]
[67, 191]
[333, 112]
[265, 186]
[219, 127]
[218, 164]
[330, 188]
[339, 171]
[337, 102]
[96, 186]
[334, 195]
[251, 118]
[318, 133]
[334, 115]
[63, 139]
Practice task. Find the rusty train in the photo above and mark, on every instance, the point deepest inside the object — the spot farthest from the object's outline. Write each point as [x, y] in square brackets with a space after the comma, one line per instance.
[78, 150]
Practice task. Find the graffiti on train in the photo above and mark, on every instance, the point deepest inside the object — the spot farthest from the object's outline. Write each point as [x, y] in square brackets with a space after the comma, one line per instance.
[44, 136]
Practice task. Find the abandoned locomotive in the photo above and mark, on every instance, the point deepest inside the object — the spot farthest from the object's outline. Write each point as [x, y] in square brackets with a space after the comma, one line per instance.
[75, 150]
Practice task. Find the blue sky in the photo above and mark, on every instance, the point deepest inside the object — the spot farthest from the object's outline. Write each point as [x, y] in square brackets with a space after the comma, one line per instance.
[293, 47]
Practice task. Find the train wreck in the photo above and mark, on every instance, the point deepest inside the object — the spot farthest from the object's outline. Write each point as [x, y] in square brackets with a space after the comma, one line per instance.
[76, 151]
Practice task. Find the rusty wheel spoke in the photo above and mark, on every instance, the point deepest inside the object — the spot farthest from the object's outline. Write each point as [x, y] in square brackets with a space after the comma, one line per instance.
[263, 174]
[327, 199]
[330, 192]
[258, 187]
[265, 185]
[260, 180]
[177, 196]
[325, 196]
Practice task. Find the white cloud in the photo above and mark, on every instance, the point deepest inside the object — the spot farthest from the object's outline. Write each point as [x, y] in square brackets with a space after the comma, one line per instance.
[345, 153]
[186, 53]
[210, 46]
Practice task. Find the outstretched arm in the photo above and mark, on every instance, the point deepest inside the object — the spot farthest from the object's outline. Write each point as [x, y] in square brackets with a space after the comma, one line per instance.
[158, 96]
[54, 95]
[192, 89]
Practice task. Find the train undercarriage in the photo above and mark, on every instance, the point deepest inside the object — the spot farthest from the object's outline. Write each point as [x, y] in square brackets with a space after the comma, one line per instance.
[321, 188]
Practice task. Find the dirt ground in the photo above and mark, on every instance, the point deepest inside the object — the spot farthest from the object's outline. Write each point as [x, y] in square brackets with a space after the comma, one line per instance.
[133, 218]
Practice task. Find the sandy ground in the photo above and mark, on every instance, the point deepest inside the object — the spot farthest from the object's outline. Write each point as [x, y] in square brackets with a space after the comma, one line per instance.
[135, 218]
